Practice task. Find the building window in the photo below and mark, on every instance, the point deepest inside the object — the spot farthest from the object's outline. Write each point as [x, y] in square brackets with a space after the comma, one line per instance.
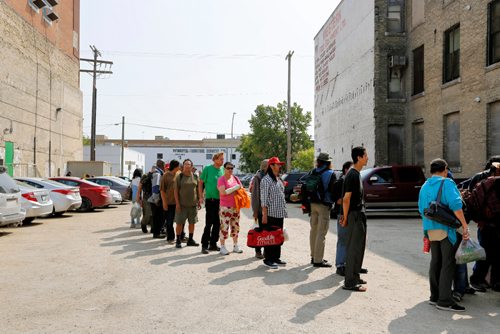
[395, 15]
[233, 156]
[159, 156]
[418, 70]
[494, 32]
[452, 139]
[494, 129]
[209, 156]
[418, 144]
[452, 54]
[395, 89]
[395, 135]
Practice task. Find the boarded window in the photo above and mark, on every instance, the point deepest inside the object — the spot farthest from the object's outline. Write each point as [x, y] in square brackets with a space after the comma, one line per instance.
[395, 137]
[395, 88]
[418, 144]
[452, 139]
[418, 70]
[159, 156]
[494, 32]
[451, 62]
[494, 129]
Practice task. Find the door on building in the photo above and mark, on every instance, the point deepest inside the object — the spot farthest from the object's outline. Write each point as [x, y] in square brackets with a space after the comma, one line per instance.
[9, 157]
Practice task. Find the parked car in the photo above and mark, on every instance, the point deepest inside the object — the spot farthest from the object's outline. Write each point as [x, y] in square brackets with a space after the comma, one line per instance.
[290, 181]
[298, 185]
[392, 188]
[124, 178]
[113, 182]
[11, 211]
[65, 198]
[93, 195]
[36, 202]
[116, 196]
[245, 180]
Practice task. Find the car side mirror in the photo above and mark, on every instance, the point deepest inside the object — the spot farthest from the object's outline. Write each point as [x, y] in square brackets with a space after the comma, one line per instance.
[373, 179]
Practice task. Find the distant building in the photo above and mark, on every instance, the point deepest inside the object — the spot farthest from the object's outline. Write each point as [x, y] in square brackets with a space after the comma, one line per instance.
[199, 151]
[411, 81]
[111, 153]
[40, 98]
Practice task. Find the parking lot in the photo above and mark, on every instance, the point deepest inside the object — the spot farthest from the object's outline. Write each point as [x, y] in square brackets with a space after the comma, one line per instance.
[91, 273]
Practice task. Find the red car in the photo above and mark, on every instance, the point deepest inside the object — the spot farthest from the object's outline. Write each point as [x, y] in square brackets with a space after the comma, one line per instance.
[93, 195]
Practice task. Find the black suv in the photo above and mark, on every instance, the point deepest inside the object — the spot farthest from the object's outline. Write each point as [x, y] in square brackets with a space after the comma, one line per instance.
[291, 180]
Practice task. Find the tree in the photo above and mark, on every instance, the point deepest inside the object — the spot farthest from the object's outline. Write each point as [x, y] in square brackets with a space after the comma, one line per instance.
[304, 160]
[85, 140]
[267, 137]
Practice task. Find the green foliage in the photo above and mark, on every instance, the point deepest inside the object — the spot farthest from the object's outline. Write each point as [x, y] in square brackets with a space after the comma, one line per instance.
[304, 160]
[85, 140]
[267, 137]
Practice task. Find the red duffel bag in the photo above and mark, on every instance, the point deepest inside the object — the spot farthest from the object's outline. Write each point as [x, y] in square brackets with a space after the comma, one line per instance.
[271, 236]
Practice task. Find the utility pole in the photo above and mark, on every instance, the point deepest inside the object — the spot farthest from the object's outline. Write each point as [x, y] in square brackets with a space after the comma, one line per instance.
[95, 72]
[122, 160]
[289, 120]
[232, 123]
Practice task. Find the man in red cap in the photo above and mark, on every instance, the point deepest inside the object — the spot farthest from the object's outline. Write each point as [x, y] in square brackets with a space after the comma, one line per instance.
[272, 196]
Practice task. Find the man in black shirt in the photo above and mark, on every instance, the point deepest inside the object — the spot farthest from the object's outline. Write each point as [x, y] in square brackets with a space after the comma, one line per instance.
[354, 219]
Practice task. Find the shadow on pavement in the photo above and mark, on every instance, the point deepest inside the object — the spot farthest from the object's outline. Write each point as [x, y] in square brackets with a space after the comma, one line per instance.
[328, 282]
[270, 276]
[309, 311]
[3, 234]
[32, 224]
[231, 264]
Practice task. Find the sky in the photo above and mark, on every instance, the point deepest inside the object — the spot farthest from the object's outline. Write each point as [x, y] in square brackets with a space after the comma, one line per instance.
[183, 67]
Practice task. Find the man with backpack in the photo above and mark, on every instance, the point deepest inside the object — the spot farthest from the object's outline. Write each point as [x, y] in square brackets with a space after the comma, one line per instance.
[143, 193]
[319, 190]
[155, 200]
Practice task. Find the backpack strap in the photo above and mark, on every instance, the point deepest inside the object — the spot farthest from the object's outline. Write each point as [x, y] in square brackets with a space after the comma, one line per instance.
[438, 199]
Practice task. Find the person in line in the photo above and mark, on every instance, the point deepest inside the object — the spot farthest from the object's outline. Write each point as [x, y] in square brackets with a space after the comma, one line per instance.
[321, 204]
[188, 198]
[168, 198]
[354, 219]
[144, 192]
[134, 185]
[341, 231]
[229, 215]
[155, 200]
[209, 178]
[272, 195]
[255, 198]
[480, 269]
[444, 241]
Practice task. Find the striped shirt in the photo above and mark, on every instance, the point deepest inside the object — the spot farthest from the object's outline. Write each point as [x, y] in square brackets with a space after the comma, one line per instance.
[272, 196]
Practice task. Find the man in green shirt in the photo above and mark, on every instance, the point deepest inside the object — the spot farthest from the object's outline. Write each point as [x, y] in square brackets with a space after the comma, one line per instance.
[209, 177]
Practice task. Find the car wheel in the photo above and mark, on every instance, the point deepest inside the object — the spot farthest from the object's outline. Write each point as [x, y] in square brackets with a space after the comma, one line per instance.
[86, 204]
[28, 220]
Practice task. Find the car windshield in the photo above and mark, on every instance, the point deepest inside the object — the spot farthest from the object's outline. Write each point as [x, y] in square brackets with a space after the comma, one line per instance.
[54, 183]
[365, 172]
[7, 184]
[25, 185]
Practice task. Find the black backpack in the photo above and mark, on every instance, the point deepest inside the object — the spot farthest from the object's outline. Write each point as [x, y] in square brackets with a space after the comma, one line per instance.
[313, 187]
[147, 184]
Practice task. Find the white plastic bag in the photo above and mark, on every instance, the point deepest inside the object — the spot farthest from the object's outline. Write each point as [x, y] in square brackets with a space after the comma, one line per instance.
[285, 234]
[136, 211]
[469, 251]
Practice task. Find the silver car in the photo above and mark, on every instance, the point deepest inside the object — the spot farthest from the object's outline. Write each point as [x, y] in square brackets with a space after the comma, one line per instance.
[65, 198]
[11, 211]
[36, 202]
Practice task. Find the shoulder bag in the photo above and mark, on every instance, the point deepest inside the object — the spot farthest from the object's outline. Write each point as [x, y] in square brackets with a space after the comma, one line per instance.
[441, 213]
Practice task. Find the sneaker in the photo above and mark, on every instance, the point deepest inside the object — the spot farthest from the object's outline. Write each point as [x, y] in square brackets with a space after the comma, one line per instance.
[214, 248]
[270, 264]
[479, 287]
[223, 250]
[178, 245]
[184, 240]
[192, 243]
[236, 249]
[469, 290]
[204, 250]
[457, 297]
[432, 302]
[452, 308]
[259, 255]
[322, 264]
[144, 228]
[170, 241]
[280, 262]
[340, 271]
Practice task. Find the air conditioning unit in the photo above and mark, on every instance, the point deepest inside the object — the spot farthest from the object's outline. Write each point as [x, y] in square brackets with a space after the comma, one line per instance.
[397, 61]
[50, 14]
[53, 2]
[38, 3]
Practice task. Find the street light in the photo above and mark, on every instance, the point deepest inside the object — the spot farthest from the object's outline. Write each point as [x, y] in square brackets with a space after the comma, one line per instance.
[122, 156]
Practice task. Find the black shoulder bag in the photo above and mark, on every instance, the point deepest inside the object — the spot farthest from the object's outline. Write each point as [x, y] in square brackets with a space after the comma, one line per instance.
[441, 213]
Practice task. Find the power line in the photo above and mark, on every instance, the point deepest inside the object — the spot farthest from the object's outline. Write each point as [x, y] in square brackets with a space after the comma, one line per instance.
[197, 55]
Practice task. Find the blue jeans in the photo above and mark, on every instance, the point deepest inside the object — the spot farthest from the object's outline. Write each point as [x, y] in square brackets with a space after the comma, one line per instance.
[460, 281]
[341, 246]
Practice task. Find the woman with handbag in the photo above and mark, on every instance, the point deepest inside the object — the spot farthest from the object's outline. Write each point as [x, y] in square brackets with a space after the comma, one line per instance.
[272, 196]
[441, 193]
[229, 214]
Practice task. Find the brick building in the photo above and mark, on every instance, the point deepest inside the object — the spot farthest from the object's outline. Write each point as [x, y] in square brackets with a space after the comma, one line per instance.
[40, 98]
[436, 82]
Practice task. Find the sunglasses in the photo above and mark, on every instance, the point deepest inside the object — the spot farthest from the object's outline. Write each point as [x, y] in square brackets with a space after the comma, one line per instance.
[230, 168]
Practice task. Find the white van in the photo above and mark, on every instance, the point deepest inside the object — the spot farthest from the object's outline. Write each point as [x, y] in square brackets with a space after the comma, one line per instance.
[10, 200]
